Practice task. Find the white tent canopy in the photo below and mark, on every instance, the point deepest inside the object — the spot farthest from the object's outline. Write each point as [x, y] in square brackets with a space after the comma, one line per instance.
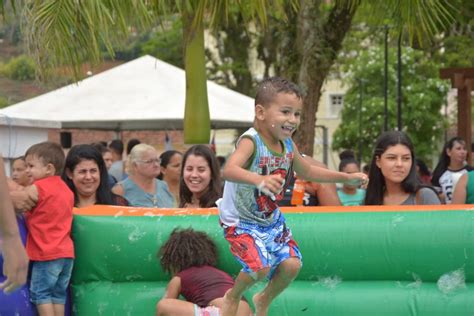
[143, 94]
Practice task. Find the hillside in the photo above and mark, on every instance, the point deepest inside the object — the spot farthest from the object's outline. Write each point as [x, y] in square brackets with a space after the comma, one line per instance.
[14, 91]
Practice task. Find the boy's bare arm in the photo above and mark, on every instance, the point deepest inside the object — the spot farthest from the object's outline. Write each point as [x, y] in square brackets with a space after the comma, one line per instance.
[318, 174]
[234, 169]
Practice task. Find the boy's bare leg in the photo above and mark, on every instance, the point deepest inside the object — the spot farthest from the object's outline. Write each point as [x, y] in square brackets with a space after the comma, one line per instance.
[284, 275]
[58, 309]
[45, 309]
[174, 307]
[242, 283]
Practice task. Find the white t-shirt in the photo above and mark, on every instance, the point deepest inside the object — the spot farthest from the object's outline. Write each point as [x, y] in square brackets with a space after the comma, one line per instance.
[448, 181]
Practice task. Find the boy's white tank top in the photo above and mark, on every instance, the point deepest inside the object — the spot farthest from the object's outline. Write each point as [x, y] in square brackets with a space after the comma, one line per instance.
[244, 202]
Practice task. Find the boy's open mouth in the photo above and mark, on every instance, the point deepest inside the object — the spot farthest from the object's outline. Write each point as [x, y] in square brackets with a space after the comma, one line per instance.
[289, 128]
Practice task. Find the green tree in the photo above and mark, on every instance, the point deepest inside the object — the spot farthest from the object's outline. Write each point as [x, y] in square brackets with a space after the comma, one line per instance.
[423, 97]
[64, 32]
[316, 33]
[307, 48]
[166, 44]
[456, 47]
[71, 32]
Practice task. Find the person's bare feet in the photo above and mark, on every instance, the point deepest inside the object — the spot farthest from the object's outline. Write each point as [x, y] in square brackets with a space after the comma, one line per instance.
[261, 305]
[230, 305]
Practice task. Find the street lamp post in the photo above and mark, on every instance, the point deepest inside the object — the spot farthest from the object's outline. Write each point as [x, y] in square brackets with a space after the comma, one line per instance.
[361, 91]
[399, 82]
[385, 81]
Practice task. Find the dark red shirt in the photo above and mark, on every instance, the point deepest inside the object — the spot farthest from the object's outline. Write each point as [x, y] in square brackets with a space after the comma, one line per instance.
[201, 285]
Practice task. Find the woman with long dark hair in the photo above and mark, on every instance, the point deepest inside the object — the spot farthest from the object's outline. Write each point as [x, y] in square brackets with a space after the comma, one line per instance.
[451, 166]
[86, 175]
[200, 183]
[393, 179]
[171, 171]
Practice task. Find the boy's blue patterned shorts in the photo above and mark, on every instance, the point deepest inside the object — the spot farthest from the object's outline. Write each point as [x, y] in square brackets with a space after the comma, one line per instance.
[257, 247]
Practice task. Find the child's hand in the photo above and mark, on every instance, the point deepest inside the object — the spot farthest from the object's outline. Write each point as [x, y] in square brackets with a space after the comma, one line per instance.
[271, 185]
[358, 178]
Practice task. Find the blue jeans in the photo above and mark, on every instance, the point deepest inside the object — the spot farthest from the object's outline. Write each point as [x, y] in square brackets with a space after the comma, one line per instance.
[49, 281]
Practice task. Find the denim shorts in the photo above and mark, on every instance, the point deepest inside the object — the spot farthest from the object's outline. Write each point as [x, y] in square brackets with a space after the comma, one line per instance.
[49, 281]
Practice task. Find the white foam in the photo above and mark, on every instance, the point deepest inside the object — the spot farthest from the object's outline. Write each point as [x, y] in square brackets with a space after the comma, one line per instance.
[396, 219]
[452, 281]
[330, 282]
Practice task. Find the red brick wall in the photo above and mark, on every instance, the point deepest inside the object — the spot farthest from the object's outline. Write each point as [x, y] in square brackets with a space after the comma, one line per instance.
[154, 138]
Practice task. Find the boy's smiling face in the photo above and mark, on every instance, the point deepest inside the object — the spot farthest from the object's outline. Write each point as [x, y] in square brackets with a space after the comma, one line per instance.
[280, 119]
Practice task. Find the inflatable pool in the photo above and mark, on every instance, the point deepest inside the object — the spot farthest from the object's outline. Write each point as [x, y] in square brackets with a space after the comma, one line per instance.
[403, 260]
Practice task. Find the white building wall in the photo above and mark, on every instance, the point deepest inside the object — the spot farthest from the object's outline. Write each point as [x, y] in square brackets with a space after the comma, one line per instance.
[330, 117]
[16, 136]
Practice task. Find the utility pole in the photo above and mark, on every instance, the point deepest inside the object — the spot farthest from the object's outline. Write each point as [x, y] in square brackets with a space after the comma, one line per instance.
[399, 83]
[385, 81]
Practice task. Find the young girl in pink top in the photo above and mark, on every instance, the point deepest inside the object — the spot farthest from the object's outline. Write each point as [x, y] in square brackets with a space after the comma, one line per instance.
[190, 257]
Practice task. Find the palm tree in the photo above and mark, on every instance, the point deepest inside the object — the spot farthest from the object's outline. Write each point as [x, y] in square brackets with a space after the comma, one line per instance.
[65, 32]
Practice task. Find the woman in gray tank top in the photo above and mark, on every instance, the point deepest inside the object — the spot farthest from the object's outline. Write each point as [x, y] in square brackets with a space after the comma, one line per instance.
[392, 174]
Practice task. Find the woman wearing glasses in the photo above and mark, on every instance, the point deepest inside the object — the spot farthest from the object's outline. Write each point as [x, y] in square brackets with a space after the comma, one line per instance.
[141, 188]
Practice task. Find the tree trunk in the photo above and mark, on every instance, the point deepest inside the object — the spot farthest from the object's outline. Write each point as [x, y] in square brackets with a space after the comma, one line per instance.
[318, 45]
[197, 122]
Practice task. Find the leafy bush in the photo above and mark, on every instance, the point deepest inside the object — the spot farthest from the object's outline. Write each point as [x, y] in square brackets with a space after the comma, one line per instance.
[20, 68]
[3, 102]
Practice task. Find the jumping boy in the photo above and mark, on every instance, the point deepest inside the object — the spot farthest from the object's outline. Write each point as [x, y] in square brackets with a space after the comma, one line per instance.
[256, 172]
[49, 244]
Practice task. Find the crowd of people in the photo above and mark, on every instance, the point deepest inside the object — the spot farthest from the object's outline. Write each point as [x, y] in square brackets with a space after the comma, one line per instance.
[261, 175]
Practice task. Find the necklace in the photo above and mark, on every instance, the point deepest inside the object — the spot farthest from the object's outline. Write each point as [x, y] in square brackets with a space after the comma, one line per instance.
[153, 198]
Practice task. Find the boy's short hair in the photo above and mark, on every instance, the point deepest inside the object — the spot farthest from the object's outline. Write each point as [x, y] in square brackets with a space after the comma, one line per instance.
[22, 158]
[270, 87]
[116, 146]
[48, 152]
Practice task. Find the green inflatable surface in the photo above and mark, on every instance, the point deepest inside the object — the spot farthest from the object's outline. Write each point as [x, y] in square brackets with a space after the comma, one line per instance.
[354, 263]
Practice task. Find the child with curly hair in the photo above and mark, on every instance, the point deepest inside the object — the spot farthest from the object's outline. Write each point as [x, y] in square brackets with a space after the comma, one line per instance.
[190, 257]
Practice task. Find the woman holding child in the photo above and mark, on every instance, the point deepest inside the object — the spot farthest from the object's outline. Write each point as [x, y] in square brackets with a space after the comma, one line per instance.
[85, 173]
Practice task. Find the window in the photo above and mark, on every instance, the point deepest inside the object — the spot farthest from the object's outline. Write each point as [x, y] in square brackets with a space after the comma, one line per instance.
[336, 102]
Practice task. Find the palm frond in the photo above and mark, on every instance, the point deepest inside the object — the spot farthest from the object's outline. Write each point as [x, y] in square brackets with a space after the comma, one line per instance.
[420, 19]
[64, 32]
